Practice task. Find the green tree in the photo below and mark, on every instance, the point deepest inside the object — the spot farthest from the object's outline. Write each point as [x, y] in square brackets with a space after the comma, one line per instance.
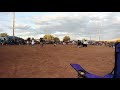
[66, 39]
[56, 39]
[3, 34]
[48, 37]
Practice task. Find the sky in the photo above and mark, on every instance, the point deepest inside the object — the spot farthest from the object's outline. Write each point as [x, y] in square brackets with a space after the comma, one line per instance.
[78, 25]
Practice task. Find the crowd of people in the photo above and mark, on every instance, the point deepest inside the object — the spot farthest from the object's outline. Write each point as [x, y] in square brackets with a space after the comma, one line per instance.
[104, 43]
[12, 41]
[29, 41]
[82, 43]
[20, 41]
[85, 43]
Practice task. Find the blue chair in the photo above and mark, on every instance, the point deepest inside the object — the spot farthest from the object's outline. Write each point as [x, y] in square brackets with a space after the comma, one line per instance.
[84, 74]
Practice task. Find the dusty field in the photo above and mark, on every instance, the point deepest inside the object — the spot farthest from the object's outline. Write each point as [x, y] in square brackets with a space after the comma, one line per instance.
[53, 62]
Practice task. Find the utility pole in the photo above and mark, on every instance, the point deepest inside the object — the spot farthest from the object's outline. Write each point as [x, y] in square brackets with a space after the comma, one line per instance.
[13, 25]
[98, 34]
[98, 30]
[46, 31]
[90, 37]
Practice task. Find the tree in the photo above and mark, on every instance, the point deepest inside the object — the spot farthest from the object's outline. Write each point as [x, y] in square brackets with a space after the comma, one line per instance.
[3, 34]
[56, 39]
[48, 37]
[66, 39]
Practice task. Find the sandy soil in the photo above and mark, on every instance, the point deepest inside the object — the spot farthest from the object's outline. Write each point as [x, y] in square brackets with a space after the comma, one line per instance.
[53, 62]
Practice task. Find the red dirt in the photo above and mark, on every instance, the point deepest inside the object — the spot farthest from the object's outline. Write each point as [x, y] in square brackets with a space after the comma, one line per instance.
[53, 62]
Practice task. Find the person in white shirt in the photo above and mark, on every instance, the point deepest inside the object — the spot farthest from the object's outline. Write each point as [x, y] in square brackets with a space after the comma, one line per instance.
[64, 43]
[73, 42]
[27, 42]
[85, 43]
[33, 42]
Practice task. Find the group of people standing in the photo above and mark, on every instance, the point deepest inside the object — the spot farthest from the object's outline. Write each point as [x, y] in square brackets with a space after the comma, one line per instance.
[10, 41]
[80, 43]
[32, 42]
[29, 41]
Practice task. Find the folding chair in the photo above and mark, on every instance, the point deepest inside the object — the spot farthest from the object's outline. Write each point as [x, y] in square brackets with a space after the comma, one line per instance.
[114, 74]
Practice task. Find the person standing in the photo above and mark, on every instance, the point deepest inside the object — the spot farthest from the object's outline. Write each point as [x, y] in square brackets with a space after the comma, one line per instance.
[79, 44]
[55, 43]
[27, 42]
[2, 42]
[33, 42]
[41, 41]
[73, 42]
[85, 43]
[64, 43]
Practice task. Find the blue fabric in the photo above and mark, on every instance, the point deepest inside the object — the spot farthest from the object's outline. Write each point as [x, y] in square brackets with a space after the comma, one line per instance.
[77, 67]
[108, 76]
[117, 47]
[89, 75]
[117, 61]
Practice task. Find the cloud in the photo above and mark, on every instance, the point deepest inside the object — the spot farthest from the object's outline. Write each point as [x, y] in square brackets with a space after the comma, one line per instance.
[1, 28]
[22, 26]
[85, 24]
[76, 24]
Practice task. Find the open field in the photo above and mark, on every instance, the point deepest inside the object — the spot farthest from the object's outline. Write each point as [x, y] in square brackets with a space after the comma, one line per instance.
[53, 62]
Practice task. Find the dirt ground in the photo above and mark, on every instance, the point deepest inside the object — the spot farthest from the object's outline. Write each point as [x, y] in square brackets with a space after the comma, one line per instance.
[53, 62]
